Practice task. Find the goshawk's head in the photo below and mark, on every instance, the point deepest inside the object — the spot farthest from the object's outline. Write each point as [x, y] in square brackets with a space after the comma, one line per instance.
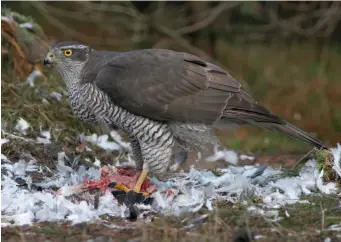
[67, 57]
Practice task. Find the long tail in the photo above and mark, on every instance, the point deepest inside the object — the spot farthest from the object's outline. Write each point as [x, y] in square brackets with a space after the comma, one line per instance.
[242, 109]
[270, 122]
[294, 132]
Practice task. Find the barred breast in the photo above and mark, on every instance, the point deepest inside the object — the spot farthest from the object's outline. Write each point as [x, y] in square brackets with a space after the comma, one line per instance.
[79, 107]
[153, 141]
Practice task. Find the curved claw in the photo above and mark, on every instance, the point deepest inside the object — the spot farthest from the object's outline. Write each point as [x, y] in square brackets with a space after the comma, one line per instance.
[121, 187]
[129, 197]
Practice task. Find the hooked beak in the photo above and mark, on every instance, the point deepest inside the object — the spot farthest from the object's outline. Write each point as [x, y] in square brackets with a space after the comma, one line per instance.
[48, 59]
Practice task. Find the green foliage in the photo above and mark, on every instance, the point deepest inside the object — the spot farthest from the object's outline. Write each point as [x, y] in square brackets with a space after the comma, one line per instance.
[25, 35]
[321, 158]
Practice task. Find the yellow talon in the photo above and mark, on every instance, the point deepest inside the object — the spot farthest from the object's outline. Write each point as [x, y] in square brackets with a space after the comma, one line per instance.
[137, 188]
[119, 186]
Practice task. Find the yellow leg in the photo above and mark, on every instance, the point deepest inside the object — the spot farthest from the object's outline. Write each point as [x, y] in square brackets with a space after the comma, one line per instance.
[120, 186]
[139, 182]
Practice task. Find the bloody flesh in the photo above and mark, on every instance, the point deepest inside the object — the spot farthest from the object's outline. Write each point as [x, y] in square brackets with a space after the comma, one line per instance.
[125, 175]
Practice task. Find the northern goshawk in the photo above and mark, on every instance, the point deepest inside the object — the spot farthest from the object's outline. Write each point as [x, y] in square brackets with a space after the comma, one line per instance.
[161, 98]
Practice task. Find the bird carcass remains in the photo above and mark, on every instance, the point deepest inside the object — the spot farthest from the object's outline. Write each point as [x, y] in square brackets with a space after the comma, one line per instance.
[116, 179]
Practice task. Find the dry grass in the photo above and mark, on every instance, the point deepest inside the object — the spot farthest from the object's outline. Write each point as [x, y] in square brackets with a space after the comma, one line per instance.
[229, 223]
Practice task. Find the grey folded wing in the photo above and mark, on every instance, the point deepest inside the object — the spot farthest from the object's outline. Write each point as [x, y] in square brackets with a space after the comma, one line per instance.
[167, 85]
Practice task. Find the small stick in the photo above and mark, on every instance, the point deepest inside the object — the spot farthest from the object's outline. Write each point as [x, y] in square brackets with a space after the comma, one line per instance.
[302, 158]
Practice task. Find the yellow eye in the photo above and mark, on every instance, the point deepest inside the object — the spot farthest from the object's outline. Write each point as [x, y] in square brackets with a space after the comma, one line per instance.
[67, 52]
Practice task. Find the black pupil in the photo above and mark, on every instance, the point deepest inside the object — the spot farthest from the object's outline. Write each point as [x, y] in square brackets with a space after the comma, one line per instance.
[68, 52]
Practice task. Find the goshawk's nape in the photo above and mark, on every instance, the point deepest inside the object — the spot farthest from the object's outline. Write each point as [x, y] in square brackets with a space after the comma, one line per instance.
[163, 99]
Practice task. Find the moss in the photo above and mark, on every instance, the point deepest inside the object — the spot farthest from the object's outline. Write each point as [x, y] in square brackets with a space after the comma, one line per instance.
[324, 161]
[217, 172]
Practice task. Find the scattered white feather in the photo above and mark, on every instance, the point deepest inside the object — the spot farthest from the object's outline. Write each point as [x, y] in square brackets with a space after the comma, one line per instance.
[58, 96]
[26, 25]
[4, 158]
[227, 155]
[97, 162]
[102, 141]
[329, 188]
[334, 227]
[186, 192]
[25, 218]
[271, 214]
[287, 214]
[209, 205]
[21, 206]
[20, 168]
[44, 101]
[198, 156]
[4, 141]
[246, 157]
[117, 137]
[17, 137]
[22, 126]
[31, 78]
[258, 236]
[45, 137]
